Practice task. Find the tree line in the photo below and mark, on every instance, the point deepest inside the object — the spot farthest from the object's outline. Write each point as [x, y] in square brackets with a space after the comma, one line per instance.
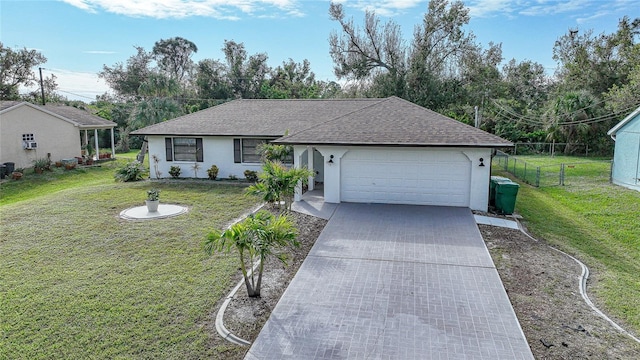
[443, 68]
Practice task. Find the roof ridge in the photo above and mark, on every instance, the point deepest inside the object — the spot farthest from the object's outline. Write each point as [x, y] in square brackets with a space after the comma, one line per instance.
[379, 100]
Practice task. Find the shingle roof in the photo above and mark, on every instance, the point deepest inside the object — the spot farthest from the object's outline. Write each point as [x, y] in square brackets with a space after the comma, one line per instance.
[82, 117]
[395, 122]
[79, 117]
[257, 117]
[389, 122]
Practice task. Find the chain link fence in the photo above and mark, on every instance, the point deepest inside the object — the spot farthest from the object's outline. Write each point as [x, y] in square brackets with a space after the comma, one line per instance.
[560, 173]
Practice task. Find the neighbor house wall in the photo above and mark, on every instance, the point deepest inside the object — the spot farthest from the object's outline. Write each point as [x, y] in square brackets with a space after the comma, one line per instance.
[53, 135]
[626, 159]
[217, 150]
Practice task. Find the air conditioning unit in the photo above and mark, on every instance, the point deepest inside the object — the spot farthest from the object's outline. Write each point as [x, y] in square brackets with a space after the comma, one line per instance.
[30, 145]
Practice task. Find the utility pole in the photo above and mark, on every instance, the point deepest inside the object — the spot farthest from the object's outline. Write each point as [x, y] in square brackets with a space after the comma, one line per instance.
[41, 86]
[477, 120]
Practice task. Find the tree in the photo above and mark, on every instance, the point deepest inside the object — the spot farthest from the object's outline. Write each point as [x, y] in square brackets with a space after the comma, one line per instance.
[597, 62]
[374, 50]
[245, 75]
[126, 80]
[16, 69]
[277, 183]
[291, 80]
[255, 238]
[212, 81]
[570, 118]
[174, 57]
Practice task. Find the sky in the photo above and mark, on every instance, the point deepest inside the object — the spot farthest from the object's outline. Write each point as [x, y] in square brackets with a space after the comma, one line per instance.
[79, 37]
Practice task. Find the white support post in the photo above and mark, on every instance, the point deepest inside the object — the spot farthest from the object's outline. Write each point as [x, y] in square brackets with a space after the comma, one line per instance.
[113, 146]
[310, 167]
[95, 138]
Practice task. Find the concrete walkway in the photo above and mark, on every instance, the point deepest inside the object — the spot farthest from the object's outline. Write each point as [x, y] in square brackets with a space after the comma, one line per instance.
[395, 282]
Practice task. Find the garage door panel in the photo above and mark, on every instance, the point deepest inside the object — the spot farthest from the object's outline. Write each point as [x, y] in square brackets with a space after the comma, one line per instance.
[406, 177]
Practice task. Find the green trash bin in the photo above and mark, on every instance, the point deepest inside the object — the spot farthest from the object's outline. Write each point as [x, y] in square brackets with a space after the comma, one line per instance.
[492, 188]
[506, 193]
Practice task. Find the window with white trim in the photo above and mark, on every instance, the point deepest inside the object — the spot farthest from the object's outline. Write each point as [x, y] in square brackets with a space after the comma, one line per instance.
[184, 149]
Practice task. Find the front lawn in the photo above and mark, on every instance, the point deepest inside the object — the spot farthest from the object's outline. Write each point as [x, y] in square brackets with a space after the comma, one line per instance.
[598, 223]
[77, 282]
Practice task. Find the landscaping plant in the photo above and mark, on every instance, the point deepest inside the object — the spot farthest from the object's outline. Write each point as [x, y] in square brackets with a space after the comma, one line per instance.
[277, 183]
[255, 238]
[174, 171]
[132, 171]
[212, 172]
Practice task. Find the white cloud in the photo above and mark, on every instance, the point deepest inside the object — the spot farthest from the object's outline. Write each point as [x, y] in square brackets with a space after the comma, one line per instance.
[164, 9]
[76, 85]
[99, 52]
[489, 8]
[386, 8]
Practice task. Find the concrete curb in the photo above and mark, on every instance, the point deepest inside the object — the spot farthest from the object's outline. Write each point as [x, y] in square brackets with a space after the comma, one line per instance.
[582, 286]
[220, 328]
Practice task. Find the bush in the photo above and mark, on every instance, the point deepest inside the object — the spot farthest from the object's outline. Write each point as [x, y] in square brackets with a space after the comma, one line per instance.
[251, 175]
[132, 171]
[174, 171]
[213, 172]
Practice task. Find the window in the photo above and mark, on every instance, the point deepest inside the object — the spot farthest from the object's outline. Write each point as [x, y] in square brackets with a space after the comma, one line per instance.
[250, 153]
[184, 149]
[247, 151]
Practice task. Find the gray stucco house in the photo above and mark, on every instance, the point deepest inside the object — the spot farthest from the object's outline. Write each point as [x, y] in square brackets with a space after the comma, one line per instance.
[626, 157]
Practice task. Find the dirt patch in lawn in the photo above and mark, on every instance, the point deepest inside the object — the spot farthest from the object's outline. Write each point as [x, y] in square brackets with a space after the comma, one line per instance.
[542, 285]
[245, 316]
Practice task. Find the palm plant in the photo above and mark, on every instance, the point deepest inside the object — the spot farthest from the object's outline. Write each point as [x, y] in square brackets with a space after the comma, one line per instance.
[277, 183]
[255, 238]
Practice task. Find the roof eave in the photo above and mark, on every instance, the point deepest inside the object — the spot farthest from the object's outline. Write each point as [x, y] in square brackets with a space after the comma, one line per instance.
[382, 144]
[624, 122]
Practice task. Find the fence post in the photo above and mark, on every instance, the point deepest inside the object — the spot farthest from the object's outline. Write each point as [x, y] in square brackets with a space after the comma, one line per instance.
[562, 174]
[515, 162]
[537, 176]
[506, 163]
[525, 171]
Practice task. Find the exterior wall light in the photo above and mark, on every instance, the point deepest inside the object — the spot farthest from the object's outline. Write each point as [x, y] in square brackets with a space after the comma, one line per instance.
[330, 159]
[481, 162]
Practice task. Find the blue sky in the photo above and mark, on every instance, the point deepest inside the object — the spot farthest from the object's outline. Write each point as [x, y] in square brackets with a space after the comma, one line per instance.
[78, 37]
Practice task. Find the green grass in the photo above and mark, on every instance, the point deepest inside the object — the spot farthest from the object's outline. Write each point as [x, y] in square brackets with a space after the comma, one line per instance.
[597, 222]
[78, 282]
[576, 170]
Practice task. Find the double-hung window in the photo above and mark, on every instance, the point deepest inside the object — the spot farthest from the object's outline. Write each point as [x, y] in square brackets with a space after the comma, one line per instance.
[184, 149]
[247, 150]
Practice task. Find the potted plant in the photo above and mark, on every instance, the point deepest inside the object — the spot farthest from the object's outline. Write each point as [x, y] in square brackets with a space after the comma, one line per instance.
[40, 165]
[153, 199]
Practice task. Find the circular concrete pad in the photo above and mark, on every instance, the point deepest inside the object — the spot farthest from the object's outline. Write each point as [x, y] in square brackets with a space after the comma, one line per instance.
[164, 211]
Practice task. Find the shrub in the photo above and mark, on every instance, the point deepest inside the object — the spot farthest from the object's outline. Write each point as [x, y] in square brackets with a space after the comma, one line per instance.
[213, 172]
[278, 183]
[133, 171]
[174, 171]
[153, 194]
[251, 175]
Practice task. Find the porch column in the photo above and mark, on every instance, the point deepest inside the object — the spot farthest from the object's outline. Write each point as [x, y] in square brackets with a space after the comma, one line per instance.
[113, 146]
[297, 161]
[95, 138]
[312, 181]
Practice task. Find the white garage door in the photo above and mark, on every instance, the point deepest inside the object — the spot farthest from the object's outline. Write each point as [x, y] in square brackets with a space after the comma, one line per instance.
[396, 176]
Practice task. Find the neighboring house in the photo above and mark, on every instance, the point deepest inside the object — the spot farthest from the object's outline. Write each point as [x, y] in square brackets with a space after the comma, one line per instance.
[362, 150]
[626, 157]
[29, 132]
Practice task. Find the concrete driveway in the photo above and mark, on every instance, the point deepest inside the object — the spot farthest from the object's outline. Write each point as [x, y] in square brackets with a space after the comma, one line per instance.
[395, 282]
